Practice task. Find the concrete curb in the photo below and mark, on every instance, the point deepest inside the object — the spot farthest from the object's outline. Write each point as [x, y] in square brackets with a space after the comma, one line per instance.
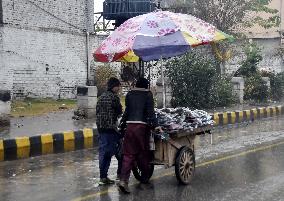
[225, 118]
[24, 147]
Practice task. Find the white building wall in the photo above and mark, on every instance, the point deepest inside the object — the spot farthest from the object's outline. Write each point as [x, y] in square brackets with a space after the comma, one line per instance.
[43, 46]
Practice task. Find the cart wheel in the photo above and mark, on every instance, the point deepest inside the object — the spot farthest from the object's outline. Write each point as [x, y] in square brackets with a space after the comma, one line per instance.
[184, 165]
[137, 172]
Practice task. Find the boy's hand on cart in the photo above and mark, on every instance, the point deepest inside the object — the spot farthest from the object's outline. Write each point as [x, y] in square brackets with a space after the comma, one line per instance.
[159, 129]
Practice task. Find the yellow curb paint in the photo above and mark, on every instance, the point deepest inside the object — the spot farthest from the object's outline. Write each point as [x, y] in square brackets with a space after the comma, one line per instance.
[216, 119]
[241, 116]
[1, 150]
[279, 109]
[170, 173]
[261, 112]
[254, 111]
[69, 141]
[274, 111]
[88, 137]
[233, 117]
[225, 118]
[23, 147]
[268, 111]
[46, 143]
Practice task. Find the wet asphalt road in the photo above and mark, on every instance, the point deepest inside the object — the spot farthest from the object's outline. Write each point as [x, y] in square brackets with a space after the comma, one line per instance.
[253, 176]
[244, 163]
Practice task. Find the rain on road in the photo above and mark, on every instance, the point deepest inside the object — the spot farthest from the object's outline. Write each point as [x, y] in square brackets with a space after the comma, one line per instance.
[244, 163]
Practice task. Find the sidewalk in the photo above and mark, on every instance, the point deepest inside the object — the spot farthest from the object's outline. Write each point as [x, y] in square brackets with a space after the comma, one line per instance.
[50, 123]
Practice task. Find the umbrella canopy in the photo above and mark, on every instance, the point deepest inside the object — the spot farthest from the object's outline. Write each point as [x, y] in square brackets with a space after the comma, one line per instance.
[157, 35]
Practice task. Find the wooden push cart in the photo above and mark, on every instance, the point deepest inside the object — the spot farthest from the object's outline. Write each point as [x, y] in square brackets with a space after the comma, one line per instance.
[175, 150]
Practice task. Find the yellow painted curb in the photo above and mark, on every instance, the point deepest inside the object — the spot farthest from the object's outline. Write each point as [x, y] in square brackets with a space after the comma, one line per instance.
[46, 143]
[1, 150]
[23, 147]
[216, 119]
[69, 141]
[88, 138]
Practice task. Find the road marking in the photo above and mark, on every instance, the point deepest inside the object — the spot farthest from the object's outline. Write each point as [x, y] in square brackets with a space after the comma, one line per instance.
[170, 173]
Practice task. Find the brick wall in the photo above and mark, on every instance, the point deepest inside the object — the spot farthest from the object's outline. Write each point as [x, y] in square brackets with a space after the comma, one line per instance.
[61, 15]
[43, 46]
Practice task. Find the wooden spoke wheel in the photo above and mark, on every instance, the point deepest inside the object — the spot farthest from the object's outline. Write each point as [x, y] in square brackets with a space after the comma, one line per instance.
[138, 173]
[185, 165]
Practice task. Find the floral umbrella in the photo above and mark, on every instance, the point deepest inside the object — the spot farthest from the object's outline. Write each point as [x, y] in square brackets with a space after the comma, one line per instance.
[156, 35]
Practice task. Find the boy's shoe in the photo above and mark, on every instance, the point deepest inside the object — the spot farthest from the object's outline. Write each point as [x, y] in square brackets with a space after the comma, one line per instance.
[106, 181]
[145, 181]
[117, 178]
[123, 187]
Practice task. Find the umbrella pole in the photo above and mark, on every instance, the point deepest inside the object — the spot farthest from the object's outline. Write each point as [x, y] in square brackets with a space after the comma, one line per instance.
[149, 74]
[163, 84]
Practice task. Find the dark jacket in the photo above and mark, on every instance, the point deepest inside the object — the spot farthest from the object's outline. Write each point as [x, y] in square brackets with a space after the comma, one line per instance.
[108, 111]
[139, 108]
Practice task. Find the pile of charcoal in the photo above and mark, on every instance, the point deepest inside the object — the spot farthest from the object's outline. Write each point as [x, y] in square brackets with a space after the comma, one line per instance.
[182, 118]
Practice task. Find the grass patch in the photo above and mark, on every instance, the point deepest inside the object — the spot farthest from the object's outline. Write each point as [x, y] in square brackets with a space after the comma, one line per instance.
[34, 107]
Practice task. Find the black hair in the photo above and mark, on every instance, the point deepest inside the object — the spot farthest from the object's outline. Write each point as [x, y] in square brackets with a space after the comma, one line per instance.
[142, 83]
[112, 82]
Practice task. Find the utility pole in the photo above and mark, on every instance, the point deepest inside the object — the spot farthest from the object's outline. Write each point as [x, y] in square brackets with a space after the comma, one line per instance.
[281, 31]
[281, 22]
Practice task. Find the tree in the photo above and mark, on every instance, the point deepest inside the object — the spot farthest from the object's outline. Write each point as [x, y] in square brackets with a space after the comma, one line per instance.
[230, 15]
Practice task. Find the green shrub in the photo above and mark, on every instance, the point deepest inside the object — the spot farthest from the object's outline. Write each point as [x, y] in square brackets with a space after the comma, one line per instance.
[256, 89]
[249, 65]
[196, 84]
[277, 86]
[223, 90]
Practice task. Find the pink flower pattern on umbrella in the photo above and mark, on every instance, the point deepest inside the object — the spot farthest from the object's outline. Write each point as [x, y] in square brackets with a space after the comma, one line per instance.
[126, 25]
[212, 30]
[177, 20]
[161, 15]
[152, 24]
[191, 28]
[102, 47]
[129, 24]
[156, 24]
[133, 25]
[163, 32]
[127, 43]
[116, 42]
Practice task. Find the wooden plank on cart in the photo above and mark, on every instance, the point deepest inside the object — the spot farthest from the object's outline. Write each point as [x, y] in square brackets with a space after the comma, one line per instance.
[166, 154]
[158, 153]
[175, 144]
[172, 155]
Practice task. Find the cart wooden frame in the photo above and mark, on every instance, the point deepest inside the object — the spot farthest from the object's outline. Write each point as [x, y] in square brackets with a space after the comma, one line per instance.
[177, 151]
